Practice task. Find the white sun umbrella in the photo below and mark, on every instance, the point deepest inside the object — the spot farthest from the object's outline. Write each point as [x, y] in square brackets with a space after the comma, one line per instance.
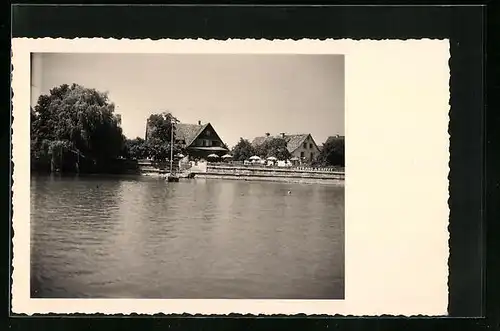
[227, 156]
[271, 158]
[294, 158]
[254, 158]
[180, 155]
[213, 156]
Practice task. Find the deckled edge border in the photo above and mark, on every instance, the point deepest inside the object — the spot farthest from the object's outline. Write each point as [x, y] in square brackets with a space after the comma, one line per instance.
[227, 40]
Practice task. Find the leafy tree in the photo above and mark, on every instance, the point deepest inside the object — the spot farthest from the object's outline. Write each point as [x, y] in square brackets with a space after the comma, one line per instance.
[243, 150]
[157, 149]
[276, 147]
[78, 119]
[159, 137]
[135, 148]
[332, 153]
[160, 125]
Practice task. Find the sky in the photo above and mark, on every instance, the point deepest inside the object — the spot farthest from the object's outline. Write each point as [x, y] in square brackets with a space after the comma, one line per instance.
[241, 95]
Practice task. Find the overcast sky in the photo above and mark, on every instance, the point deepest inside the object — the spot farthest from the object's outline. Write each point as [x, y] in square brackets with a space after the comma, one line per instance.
[241, 95]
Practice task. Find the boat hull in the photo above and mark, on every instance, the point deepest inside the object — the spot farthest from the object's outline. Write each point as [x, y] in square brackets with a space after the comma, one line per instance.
[172, 179]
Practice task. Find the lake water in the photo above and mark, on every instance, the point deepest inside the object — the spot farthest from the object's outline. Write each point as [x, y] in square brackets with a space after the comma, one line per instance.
[137, 237]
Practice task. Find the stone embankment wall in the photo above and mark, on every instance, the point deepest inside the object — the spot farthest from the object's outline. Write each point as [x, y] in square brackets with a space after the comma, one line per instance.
[252, 172]
[268, 172]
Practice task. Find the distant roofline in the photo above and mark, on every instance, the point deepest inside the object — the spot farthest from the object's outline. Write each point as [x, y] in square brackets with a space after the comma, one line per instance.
[304, 137]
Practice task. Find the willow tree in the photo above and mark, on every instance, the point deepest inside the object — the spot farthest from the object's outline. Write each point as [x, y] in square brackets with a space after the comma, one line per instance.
[77, 119]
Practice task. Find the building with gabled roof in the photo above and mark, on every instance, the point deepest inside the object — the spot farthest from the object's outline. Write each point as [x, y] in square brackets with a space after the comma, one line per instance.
[301, 146]
[197, 140]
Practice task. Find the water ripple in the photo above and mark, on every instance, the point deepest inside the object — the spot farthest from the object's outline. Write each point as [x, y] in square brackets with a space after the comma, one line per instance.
[144, 238]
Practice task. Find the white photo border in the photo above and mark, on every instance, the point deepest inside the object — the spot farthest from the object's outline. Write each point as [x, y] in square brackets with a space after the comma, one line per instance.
[396, 188]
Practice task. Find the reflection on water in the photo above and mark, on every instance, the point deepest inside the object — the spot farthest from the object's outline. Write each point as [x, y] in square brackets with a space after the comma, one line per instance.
[106, 237]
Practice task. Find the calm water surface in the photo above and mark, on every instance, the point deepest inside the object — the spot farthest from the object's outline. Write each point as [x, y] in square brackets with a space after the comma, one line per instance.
[145, 238]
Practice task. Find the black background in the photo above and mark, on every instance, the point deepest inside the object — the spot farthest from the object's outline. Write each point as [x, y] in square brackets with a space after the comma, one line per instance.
[474, 118]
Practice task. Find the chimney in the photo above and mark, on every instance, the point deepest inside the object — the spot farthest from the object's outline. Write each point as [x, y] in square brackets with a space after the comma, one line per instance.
[267, 134]
[283, 135]
[199, 122]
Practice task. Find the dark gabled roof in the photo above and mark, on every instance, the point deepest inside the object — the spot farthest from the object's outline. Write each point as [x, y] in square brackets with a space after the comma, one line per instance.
[188, 132]
[293, 141]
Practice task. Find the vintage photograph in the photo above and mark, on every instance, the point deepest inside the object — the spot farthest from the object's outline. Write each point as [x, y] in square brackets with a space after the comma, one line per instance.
[187, 176]
[210, 177]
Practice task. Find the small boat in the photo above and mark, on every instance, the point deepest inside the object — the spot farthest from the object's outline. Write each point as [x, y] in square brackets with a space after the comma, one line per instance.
[172, 178]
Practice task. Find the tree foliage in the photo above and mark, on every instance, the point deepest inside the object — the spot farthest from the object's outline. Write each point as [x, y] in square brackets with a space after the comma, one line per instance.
[159, 136]
[78, 119]
[135, 149]
[332, 153]
[243, 150]
[160, 126]
[276, 147]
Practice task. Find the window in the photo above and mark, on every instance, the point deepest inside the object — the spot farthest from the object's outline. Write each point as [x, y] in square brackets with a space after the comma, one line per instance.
[301, 154]
[304, 145]
[208, 132]
[312, 156]
[215, 143]
[311, 146]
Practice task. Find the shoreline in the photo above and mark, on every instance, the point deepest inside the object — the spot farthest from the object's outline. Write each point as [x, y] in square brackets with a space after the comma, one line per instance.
[294, 180]
[210, 176]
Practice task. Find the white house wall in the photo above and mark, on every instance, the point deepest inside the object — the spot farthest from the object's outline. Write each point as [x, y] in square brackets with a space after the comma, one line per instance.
[310, 148]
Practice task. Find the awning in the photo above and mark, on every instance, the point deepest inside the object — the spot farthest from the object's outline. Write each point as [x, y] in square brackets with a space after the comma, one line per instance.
[208, 149]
